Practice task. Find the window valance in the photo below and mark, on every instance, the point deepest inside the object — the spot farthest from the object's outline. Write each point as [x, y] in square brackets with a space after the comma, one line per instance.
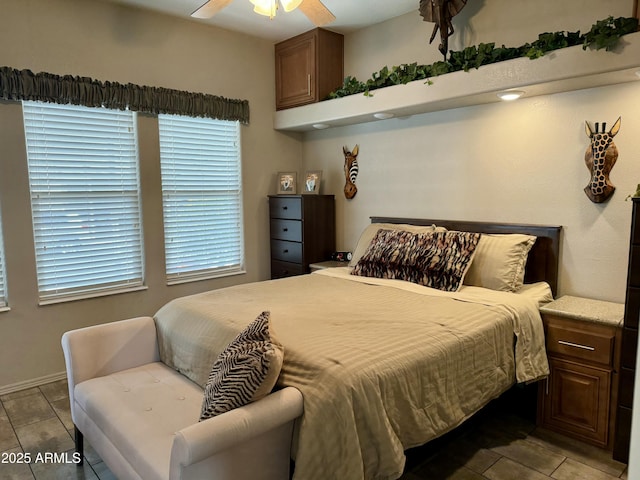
[46, 87]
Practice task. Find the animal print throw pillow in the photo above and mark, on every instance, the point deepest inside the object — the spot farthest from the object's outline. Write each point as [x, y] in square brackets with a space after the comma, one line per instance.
[435, 259]
[245, 371]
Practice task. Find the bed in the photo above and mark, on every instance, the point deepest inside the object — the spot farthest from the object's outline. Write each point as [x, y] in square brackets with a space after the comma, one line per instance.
[383, 364]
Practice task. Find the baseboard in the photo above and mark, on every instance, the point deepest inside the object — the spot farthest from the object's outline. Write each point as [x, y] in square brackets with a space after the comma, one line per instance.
[36, 382]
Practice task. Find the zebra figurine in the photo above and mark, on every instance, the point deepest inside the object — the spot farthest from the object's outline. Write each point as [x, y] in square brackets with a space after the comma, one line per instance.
[350, 171]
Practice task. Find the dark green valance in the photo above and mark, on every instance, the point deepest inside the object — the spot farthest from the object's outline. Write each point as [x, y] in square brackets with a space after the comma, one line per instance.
[47, 87]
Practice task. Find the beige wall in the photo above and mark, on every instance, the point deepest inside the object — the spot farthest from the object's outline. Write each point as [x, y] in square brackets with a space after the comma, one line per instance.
[109, 42]
[515, 162]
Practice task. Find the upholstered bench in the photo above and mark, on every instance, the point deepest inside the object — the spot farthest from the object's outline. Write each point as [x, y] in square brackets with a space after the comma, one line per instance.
[141, 416]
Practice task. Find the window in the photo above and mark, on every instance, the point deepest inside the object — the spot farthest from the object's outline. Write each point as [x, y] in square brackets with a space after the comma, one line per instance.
[202, 197]
[3, 292]
[83, 175]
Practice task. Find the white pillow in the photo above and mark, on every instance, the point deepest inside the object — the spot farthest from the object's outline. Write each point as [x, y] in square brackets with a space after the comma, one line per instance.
[499, 261]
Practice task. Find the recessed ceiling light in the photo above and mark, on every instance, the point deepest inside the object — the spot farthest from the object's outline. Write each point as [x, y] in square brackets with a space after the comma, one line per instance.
[320, 126]
[510, 95]
[383, 115]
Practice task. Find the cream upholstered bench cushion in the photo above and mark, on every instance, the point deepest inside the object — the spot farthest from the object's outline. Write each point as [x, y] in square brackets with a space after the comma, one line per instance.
[139, 410]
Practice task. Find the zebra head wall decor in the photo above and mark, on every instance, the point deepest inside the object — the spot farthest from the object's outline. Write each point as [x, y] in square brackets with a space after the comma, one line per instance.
[350, 171]
[600, 157]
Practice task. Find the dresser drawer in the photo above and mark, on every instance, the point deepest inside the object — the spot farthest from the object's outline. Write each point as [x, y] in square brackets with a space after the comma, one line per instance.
[285, 208]
[627, 381]
[632, 309]
[634, 266]
[286, 251]
[593, 346]
[635, 229]
[285, 269]
[286, 229]
[629, 347]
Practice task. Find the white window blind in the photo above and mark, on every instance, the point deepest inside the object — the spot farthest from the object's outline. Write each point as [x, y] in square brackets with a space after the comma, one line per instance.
[83, 174]
[3, 291]
[202, 197]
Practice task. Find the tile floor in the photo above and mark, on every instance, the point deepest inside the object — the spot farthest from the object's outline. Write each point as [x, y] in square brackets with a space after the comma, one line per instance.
[496, 444]
[37, 421]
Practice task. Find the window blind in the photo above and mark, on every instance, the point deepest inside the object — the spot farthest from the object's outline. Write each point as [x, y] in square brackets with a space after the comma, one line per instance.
[202, 197]
[3, 292]
[83, 175]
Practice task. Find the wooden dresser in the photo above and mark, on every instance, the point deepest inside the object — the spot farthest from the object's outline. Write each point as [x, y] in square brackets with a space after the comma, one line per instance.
[308, 67]
[303, 231]
[629, 342]
[583, 347]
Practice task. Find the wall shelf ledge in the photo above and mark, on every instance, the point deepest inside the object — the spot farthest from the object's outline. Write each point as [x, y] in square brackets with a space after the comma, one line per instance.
[562, 70]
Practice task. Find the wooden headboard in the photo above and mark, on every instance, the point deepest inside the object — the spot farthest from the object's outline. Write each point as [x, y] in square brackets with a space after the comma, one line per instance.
[542, 263]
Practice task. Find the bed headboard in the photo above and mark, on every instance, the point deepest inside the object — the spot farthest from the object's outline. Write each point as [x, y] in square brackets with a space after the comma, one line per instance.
[542, 263]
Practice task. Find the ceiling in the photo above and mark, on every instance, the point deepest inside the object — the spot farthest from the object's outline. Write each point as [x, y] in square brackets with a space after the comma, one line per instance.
[350, 15]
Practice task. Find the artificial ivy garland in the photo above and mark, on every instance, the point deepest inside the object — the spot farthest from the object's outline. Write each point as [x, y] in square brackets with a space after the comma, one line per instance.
[603, 34]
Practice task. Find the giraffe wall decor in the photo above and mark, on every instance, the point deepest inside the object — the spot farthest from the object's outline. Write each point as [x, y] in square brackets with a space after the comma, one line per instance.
[600, 157]
[441, 12]
[350, 171]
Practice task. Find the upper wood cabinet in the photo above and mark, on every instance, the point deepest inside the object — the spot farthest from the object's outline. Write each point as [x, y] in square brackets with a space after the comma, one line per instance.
[308, 67]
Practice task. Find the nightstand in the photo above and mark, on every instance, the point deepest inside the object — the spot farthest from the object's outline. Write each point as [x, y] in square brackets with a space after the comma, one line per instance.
[583, 348]
[328, 264]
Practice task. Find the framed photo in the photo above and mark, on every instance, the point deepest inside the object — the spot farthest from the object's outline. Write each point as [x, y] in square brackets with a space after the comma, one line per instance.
[312, 181]
[287, 183]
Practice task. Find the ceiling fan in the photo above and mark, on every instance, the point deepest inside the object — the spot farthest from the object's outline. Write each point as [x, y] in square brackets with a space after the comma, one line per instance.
[313, 9]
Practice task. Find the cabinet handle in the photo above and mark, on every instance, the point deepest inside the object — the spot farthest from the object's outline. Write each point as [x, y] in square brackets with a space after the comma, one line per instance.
[576, 345]
[309, 84]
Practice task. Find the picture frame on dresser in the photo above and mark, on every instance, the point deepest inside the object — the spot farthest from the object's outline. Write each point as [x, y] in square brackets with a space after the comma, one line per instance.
[287, 182]
[312, 180]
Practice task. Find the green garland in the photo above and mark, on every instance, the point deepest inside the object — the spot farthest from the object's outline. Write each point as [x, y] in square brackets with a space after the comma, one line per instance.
[603, 34]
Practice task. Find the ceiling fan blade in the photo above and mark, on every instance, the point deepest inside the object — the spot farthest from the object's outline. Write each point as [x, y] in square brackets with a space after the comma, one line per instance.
[317, 12]
[210, 8]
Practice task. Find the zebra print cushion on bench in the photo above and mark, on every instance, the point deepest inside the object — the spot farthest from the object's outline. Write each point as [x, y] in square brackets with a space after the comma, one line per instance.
[245, 371]
[434, 259]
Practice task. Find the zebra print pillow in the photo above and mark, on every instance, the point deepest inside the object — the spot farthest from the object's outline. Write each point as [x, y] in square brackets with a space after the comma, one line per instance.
[435, 259]
[245, 371]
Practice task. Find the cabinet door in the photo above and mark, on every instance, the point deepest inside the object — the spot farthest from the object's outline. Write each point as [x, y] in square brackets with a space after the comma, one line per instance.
[295, 67]
[577, 401]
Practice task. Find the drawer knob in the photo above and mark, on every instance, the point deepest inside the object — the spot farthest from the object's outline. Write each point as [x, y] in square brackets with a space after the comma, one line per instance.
[285, 229]
[285, 251]
[285, 208]
[576, 345]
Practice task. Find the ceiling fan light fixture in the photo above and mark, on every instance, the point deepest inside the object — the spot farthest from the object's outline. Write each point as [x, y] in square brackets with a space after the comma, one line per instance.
[265, 7]
[290, 5]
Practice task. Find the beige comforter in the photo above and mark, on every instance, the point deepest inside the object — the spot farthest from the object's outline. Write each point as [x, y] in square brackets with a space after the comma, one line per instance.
[382, 365]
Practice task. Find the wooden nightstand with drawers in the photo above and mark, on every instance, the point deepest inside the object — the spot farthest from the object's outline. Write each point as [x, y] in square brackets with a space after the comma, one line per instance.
[583, 348]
